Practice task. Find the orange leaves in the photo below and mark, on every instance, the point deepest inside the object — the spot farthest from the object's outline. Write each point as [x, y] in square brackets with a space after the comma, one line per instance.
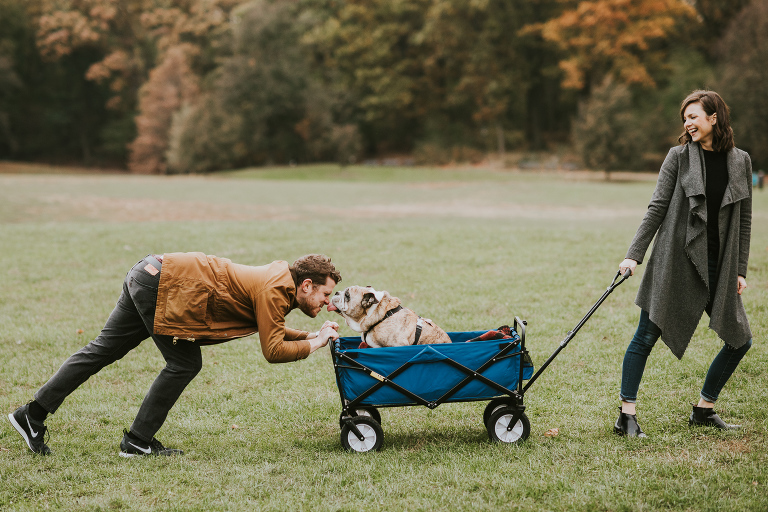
[103, 13]
[60, 32]
[171, 85]
[117, 61]
[553, 432]
[614, 37]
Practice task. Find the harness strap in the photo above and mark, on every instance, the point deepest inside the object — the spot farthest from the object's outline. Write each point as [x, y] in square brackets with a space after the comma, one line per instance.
[419, 327]
[386, 315]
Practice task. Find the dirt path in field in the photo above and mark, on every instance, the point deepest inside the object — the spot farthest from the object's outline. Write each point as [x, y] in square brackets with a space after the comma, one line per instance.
[115, 198]
[63, 208]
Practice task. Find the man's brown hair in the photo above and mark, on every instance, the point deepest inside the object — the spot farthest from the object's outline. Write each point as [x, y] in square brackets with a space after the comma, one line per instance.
[316, 267]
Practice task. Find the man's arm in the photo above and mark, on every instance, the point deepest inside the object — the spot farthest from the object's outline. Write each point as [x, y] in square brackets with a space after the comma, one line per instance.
[271, 306]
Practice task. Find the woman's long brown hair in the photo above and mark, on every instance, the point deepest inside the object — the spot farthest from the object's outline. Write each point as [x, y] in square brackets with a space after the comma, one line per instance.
[712, 103]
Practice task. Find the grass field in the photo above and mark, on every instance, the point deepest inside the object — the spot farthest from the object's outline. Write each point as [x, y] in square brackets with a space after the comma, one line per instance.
[470, 249]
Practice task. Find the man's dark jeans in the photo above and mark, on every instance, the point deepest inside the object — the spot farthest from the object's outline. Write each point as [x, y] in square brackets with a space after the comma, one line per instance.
[128, 325]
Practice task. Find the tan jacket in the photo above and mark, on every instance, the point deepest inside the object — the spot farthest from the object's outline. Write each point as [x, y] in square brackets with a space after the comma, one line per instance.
[212, 300]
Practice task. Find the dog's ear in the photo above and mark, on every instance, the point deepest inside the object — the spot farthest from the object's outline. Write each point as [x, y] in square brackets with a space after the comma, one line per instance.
[369, 299]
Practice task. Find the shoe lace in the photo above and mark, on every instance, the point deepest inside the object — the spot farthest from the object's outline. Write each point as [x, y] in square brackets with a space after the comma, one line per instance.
[46, 434]
[156, 445]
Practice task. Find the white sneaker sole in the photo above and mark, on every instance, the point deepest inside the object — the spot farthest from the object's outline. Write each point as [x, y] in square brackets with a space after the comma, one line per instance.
[130, 455]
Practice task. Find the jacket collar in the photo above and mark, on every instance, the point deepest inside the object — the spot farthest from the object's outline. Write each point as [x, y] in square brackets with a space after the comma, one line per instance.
[294, 302]
[693, 178]
[738, 181]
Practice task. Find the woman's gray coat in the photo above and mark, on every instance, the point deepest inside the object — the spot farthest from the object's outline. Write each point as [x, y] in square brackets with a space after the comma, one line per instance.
[675, 287]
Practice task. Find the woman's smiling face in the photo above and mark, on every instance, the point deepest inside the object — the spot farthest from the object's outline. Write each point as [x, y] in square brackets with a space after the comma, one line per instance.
[699, 125]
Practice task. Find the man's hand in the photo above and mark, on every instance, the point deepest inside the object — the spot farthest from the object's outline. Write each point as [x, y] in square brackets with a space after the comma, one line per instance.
[329, 331]
[328, 323]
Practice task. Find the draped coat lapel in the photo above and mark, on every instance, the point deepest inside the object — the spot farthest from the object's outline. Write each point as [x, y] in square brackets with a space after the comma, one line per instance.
[692, 182]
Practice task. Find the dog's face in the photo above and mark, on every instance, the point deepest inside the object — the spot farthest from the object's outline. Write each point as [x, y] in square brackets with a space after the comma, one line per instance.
[355, 303]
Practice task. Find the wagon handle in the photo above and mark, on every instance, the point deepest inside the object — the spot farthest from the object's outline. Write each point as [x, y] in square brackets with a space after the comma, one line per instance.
[519, 327]
[627, 274]
[615, 283]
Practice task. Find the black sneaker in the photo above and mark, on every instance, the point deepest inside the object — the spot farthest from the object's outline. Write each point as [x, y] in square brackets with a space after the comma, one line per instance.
[132, 446]
[31, 430]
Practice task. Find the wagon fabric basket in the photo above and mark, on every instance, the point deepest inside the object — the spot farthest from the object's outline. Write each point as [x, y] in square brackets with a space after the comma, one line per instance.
[429, 372]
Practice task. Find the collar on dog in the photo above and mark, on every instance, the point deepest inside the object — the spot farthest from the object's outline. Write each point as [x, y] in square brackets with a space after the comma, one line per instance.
[386, 315]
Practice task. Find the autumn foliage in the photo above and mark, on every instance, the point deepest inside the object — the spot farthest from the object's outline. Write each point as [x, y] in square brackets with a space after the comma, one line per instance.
[623, 38]
[200, 85]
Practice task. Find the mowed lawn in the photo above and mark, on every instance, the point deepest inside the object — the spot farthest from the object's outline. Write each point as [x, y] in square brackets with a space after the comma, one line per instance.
[470, 249]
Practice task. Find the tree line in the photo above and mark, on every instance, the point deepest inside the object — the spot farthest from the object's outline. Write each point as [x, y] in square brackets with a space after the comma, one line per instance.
[186, 86]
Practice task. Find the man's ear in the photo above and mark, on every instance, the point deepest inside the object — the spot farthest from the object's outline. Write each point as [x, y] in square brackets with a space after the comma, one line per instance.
[306, 285]
[369, 299]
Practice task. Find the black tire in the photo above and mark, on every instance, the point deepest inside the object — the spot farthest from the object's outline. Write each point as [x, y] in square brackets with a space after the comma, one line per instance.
[493, 406]
[498, 424]
[371, 412]
[371, 431]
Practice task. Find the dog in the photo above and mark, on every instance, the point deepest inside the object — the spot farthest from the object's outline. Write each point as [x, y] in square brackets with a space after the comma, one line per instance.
[382, 320]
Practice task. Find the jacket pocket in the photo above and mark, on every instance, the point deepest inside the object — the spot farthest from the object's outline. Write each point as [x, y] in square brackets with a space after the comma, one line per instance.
[188, 303]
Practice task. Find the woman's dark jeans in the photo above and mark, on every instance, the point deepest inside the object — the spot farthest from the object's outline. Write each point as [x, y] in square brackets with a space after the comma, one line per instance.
[129, 324]
[647, 335]
[640, 347]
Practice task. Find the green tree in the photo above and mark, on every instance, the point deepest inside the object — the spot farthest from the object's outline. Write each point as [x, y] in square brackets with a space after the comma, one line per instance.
[372, 46]
[621, 127]
[269, 102]
[50, 111]
[606, 133]
[743, 53]
[484, 67]
[443, 71]
[12, 34]
[125, 41]
[717, 14]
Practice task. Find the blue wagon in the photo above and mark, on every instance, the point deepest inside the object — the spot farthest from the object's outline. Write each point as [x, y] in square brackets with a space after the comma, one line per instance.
[430, 375]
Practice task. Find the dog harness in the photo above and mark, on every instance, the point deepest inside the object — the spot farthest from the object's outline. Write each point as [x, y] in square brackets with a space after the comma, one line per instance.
[419, 324]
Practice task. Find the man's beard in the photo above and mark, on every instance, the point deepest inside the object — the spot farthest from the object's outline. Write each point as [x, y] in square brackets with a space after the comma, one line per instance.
[306, 308]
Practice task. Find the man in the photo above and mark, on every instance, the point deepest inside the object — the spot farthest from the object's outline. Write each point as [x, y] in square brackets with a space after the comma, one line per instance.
[184, 300]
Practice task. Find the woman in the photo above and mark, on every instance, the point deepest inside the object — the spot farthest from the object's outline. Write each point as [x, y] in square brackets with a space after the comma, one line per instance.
[701, 215]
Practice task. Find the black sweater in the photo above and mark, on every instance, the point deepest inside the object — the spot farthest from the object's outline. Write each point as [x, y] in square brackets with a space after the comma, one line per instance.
[717, 180]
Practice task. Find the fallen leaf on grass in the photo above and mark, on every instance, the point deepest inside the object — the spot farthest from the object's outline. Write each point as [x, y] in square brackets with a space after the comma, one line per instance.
[80, 331]
[4, 449]
[553, 432]
[235, 427]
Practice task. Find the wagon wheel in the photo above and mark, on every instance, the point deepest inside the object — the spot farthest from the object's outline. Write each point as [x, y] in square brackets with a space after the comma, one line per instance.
[371, 431]
[371, 412]
[493, 406]
[498, 426]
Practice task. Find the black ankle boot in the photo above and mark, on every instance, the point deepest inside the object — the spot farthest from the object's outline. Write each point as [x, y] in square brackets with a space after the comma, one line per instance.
[708, 417]
[627, 425]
